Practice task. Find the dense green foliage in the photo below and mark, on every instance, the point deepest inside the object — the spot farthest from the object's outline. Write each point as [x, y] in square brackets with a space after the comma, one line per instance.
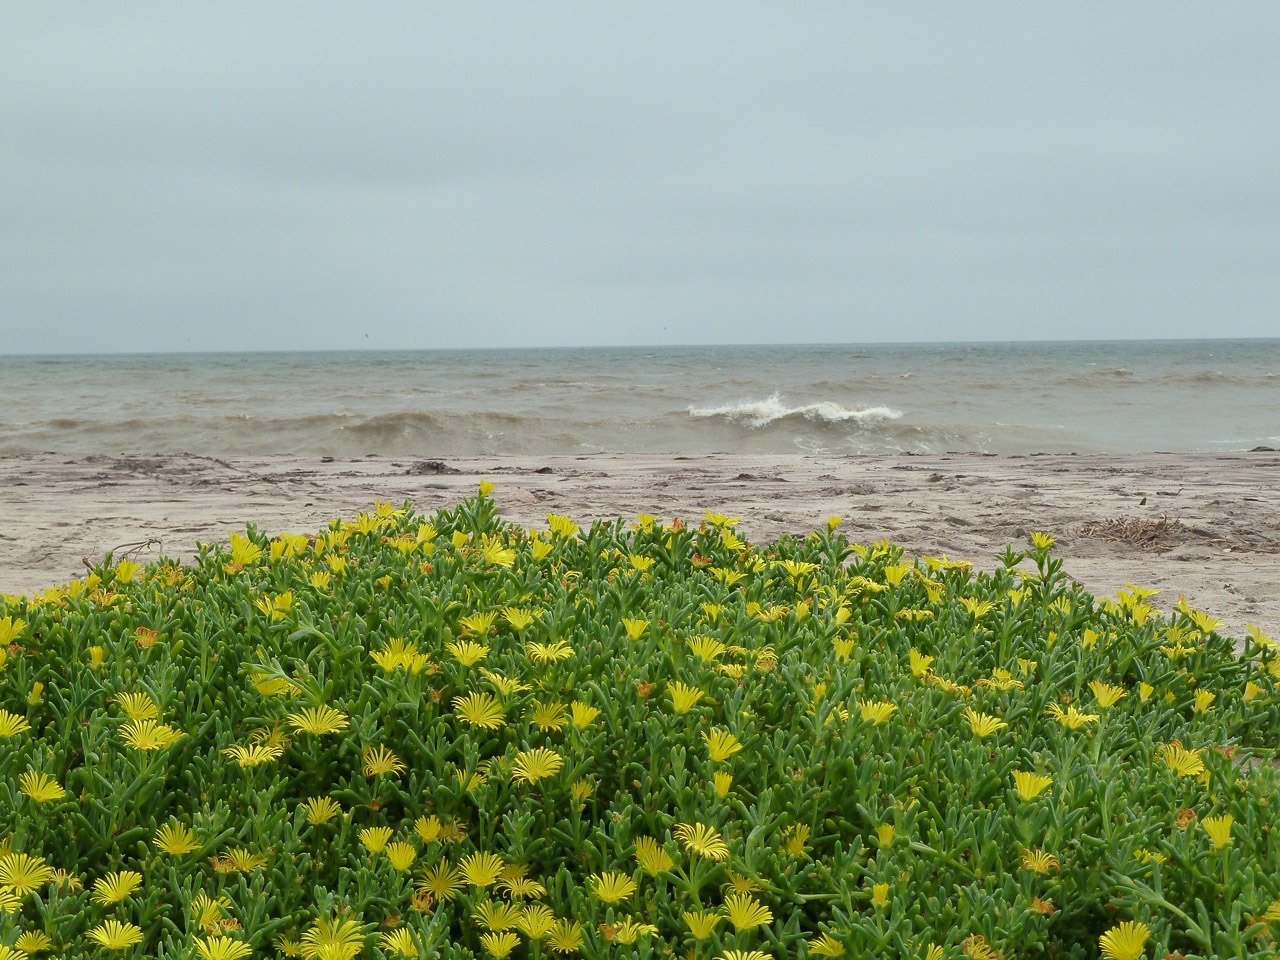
[633, 740]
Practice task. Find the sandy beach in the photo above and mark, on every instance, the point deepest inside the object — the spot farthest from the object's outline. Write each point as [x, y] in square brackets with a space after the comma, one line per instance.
[1203, 527]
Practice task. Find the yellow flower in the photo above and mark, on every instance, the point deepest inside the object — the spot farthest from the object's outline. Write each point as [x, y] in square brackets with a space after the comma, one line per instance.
[254, 755]
[115, 887]
[495, 554]
[239, 859]
[149, 735]
[320, 810]
[721, 744]
[582, 714]
[611, 886]
[486, 488]
[1041, 541]
[701, 923]
[442, 880]
[497, 916]
[983, 724]
[565, 937]
[11, 724]
[481, 869]
[1037, 861]
[544, 653]
[1204, 700]
[536, 764]
[920, 664]
[379, 761]
[399, 942]
[885, 834]
[826, 946]
[21, 873]
[401, 855]
[467, 652]
[651, 857]
[683, 696]
[175, 839]
[33, 941]
[1071, 718]
[40, 787]
[1106, 694]
[332, 939]
[1219, 829]
[375, 839]
[114, 935]
[1127, 941]
[1183, 762]
[549, 716]
[797, 840]
[879, 894]
[706, 648]
[876, 712]
[223, 948]
[702, 840]
[320, 720]
[721, 783]
[744, 955]
[138, 706]
[634, 628]
[480, 710]
[561, 527]
[536, 920]
[499, 945]
[745, 912]
[9, 630]
[1031, 785]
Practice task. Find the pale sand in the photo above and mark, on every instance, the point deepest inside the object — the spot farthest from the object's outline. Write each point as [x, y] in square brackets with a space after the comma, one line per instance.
[1221, 548]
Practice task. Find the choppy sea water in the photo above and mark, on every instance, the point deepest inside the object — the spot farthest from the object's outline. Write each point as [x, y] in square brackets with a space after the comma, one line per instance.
[1099, 397]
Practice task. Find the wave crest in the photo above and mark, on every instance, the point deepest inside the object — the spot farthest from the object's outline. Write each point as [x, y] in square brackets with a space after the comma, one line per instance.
[762, 413]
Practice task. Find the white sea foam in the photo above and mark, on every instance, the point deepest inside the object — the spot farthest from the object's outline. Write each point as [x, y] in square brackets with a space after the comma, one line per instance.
[761, 413]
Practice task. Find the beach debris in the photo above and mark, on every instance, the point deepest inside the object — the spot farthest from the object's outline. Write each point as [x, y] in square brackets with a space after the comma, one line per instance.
[429, 468]
[1138, 531]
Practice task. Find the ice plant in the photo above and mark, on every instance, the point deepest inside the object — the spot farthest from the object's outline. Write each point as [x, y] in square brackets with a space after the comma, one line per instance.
[1219, 829]
[1125, 941]
[114, 935]
[1031, 785]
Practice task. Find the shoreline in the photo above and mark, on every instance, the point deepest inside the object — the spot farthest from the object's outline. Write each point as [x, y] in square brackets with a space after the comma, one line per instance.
[1197, 525]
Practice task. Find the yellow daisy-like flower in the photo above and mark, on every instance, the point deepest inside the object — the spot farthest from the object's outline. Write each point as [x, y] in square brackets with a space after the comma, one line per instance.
[379, 761]
[175, 839]
[826, 946]
[1106, 694]
[536, 920]
[565, 936]
[1037, 861]
[11, 724]
[482, 710]
[876, 712]
[499, 945]
[702, 840]
[21, 873]
[544, 653]
[149, 735]
[481, 869]
[745, 912]
[442, 880]
[1126, 941]
[744, 955]
[399, 942]
[1071, 718]
[401, 855]
[1031, 785]
[701, 923]
[114, 935]
[1219, 829]
[634, 628]
[983, 724]
[497, 917]
[375, 839]
[683, 697]
[255, 754]
[320, 810]
[582, 715]
[40, 787]
[651, 857]
[137, 706]
[32, 942]
[222, 948]
[467, 652]
[536, 764]
[332, 939]
[1183, 762]
[611, 886]
[115, 887]
[721, 744]
[320, 720]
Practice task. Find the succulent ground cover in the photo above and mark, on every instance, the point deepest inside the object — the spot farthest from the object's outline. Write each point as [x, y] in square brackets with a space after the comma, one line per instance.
[412, 736]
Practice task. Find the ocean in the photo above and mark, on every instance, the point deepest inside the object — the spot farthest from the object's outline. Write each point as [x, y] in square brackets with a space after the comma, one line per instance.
[1209, 396]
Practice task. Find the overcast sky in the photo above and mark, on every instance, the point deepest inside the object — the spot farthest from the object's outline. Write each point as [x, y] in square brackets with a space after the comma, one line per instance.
[313, 176]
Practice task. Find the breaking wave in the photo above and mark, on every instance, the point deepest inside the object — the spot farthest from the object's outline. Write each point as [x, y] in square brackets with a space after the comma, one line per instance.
[762, 413]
